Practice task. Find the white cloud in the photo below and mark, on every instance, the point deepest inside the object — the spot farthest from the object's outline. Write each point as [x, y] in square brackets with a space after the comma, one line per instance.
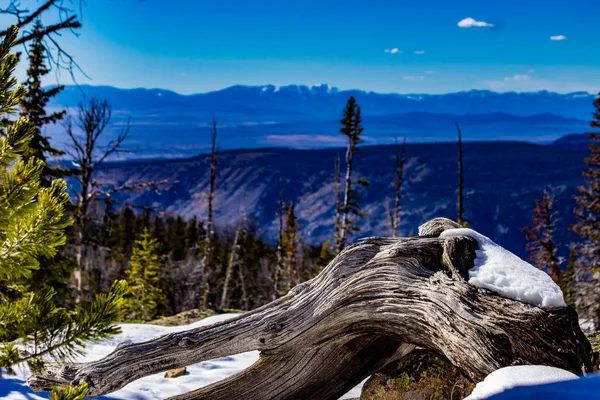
[470, 23]
[419, 51]
[558, 37]
[518, 77]
[429, 72]
[413, 78]
[395, 50]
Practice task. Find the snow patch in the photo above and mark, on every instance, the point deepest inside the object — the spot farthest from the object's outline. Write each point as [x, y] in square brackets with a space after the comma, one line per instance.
[587, 325]
[521, 375]
[500, 271]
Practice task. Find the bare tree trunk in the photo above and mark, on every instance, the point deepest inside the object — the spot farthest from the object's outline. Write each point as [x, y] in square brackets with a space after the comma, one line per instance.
[279, 264]
[347, 188]
[242, 272]
[370, 306]
[460, 177]
[395, 218]
[206, 259]
[92, 119]
[233, 261]
[337, 176]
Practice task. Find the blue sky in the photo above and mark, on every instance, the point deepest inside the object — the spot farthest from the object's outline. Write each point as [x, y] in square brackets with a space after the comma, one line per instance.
[192, 46]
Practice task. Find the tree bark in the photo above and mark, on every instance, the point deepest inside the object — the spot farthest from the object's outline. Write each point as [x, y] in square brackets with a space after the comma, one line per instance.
[370, 306]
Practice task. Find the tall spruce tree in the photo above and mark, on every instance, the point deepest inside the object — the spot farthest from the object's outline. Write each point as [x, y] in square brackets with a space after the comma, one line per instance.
[587, 226]
[34, 103]
[145, 294]
[33, 221]
[350, 209]
[540, 236]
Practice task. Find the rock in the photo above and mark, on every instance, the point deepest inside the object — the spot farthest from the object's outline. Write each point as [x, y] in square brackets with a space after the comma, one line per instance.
[174, 373]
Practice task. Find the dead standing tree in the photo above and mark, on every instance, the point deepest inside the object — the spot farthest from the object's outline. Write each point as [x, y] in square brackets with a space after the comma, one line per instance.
[370, 306]
[460, 199]
[279, 253]
[205, 264]
[86, 152]
[400, 159]
[86, 132]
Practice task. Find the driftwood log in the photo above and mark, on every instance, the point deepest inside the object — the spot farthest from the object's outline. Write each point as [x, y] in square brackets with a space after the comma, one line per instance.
[372, 305]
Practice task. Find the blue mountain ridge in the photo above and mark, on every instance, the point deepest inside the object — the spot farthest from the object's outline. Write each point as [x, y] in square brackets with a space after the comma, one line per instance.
[167, 124]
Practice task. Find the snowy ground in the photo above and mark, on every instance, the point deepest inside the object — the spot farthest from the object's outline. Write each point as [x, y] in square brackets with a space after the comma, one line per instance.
[151, 387]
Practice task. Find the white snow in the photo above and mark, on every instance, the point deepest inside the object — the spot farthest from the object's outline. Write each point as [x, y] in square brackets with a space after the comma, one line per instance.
[521, 375]
[584, 388]
[501, 271]
[152, 387]
[587, 325]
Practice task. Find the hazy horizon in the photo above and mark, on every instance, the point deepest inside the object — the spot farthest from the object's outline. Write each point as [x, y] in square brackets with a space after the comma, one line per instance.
[329, 86]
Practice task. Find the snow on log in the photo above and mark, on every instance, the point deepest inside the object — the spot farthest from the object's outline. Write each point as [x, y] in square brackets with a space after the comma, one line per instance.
[370, 306]
[499, 270]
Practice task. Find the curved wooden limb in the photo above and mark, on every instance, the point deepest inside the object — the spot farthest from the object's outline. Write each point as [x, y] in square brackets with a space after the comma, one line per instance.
[349, 320]
[328, 371]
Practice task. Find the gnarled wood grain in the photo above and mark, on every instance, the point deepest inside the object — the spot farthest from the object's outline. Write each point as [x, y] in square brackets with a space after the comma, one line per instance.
[372, 304]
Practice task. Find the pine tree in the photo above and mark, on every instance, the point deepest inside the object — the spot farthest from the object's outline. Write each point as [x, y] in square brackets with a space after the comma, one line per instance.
[176, 234]
[159, 232]
[192, 235]
[325, 255]
[126, 231]
[33, 221]
[33, 106]
[143, 279]
[70, 393]
[541, 246]
[142, 222]
[587, 226]
[352, 129]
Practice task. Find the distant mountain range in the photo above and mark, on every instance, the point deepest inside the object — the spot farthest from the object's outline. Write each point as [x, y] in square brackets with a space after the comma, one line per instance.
[167, 124]
[502, 182]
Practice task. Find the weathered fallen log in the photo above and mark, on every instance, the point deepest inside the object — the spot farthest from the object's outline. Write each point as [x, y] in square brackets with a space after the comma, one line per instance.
[370, 306]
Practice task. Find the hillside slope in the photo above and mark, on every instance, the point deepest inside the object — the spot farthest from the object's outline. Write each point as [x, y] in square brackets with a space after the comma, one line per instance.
[502, 181]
